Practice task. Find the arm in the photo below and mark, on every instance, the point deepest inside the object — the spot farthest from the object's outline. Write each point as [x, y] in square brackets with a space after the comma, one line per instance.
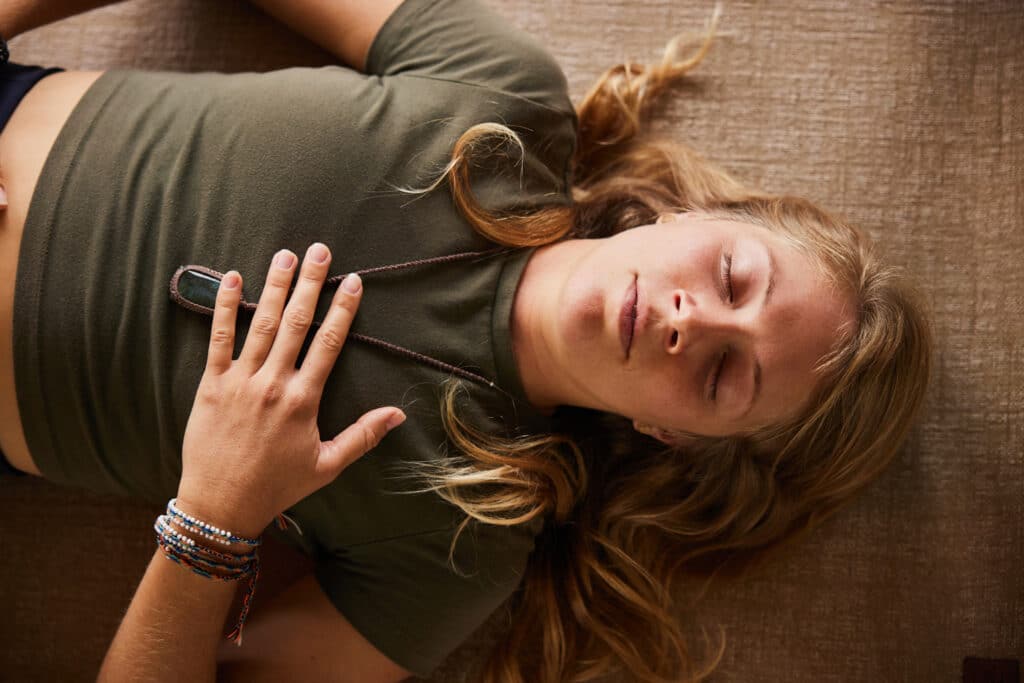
[172, 627]
[176, 620]
[301, 636]
[252, 449]
[19, 16]
[345, 28]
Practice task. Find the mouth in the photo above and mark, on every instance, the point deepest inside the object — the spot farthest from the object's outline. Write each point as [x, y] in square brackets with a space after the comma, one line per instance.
[627, 318]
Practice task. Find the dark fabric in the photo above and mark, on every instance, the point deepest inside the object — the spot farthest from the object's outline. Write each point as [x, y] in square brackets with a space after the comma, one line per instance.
[154, 170]
[15, 82]
[7, 469]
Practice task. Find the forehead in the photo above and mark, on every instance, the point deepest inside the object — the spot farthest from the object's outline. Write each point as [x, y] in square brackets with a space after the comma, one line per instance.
[799, 325]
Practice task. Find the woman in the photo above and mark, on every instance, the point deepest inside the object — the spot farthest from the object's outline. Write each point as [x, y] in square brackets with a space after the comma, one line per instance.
[673, 371]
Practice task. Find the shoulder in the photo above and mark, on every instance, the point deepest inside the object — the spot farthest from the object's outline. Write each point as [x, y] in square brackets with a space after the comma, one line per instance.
[466, 42]
[414, 599]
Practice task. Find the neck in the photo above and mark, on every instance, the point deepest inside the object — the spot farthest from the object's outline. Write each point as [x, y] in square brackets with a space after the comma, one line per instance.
[534, 316]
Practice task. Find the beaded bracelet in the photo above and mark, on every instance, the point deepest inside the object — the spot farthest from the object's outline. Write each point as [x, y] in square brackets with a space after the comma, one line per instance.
[171, 522]
[174, 553]
[196, 560]
[207, 562]
[235, 635]
[208, 530]
[188, 546]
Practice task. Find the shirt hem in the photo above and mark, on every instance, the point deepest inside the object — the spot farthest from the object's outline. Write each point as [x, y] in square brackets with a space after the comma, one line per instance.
[39, 230]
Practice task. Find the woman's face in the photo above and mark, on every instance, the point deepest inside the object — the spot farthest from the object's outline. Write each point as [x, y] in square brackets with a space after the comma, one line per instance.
[730, 321]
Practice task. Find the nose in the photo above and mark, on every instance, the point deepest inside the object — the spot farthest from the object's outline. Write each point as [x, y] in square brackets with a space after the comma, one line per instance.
[692, 321]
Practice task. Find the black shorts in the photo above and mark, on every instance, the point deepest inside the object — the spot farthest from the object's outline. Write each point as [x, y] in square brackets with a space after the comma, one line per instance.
[9, 470]
[15, 82]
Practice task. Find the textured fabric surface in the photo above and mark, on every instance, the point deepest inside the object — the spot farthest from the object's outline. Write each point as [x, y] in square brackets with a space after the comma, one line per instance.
[906, 117]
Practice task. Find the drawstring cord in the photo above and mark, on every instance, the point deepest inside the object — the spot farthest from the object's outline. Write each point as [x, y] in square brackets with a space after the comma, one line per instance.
[197, 307]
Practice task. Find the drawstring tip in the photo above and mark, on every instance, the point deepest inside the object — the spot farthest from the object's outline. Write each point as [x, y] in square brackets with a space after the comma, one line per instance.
[236, 637]
[236, 633]
[282, 520]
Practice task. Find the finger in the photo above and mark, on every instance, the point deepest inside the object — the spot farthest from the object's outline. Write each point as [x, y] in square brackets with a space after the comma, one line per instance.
[329, 339]
[267, 318]
[298, 314]
[222, 332]
[360, 437]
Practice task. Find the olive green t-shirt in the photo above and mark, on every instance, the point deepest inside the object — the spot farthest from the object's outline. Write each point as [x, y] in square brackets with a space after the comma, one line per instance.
[156, 170]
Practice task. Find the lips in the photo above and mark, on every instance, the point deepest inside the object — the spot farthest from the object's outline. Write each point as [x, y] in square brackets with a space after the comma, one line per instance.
[627, 318]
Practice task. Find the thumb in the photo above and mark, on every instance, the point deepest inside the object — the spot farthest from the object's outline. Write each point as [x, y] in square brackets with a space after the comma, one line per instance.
[361, 436]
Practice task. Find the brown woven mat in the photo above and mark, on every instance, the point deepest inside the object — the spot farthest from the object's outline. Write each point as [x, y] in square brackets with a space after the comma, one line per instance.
[908, 118]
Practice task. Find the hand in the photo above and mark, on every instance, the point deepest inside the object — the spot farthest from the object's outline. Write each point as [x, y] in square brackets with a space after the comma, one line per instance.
[252, 447]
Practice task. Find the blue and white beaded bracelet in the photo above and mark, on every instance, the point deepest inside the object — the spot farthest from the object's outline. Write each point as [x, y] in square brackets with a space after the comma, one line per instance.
[206, 530]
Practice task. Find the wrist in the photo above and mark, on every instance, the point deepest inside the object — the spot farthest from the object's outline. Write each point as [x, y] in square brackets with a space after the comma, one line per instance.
[210, 551]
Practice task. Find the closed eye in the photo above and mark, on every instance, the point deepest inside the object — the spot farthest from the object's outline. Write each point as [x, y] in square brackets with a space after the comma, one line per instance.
[727, 276]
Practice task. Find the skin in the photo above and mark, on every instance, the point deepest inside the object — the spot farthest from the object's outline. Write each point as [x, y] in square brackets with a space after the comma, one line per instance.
[24, 145]
[252, 448]
[566, 326]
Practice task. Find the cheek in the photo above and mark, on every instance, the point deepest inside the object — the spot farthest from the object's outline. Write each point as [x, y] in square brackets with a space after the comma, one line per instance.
[666, 397]
[581, 314]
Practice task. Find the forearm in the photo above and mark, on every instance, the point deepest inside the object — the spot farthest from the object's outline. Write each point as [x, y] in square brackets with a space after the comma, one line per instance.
[19, 16]
[172, 628]
[345, 28]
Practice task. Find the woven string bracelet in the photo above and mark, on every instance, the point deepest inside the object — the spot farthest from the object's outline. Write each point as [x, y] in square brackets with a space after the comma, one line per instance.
[235, 635]
[214, 569]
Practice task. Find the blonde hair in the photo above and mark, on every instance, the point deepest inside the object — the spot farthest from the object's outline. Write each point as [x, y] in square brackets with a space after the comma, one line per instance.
[627, 516]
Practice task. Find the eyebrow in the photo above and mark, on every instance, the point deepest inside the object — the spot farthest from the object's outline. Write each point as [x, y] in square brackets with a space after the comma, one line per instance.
[757, 363]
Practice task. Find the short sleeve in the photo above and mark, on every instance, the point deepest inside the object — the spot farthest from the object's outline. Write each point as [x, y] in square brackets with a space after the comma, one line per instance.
[463, 41]
[402, 595]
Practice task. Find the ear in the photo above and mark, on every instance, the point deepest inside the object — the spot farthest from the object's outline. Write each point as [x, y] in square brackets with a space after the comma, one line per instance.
[658, 433]
[667, 437]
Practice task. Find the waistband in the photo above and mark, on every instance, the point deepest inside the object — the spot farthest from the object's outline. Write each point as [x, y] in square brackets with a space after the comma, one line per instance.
[15, 82]
[9, 470]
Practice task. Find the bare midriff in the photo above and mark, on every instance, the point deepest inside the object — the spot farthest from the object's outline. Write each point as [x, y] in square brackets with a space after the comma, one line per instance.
[25, 144]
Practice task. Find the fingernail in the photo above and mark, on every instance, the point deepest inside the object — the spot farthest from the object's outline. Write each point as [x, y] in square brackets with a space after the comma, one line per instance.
[351, 283]
[230, 281]
[395, 420]
[318, 252]
[284, 259]
[3, 197]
